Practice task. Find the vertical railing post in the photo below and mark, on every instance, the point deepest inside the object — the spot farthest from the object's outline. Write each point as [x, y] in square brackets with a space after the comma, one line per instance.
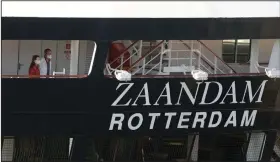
[140, 52]
[74, 57]
[177, 58]
[191, 45]
[200, 50]
[215, 65]
[199, 57]
[161, 54]
[122, 62]
[143, 65]
[131, 51]
[191, 52]
[169, 52]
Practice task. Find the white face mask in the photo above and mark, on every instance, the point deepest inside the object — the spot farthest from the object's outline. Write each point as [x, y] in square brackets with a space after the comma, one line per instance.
[37, 62]
[49, 56]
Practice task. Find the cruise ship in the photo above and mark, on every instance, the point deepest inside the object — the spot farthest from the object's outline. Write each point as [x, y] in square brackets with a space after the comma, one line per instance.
[141, 89]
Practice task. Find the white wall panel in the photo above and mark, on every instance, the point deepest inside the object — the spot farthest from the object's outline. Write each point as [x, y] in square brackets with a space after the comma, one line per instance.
[62, 61]
[9, 58]
[28, 48]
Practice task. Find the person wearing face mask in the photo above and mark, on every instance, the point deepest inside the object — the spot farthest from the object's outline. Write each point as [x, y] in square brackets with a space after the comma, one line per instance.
[25, 147]
[45, 65]
[34, 66]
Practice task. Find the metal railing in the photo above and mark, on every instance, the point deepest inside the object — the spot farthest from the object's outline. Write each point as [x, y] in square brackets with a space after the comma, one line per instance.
[258, 67]
[137, 52]
[217, 59]
[121, 55]
[144, 56]
[209, 60]
[192, 53]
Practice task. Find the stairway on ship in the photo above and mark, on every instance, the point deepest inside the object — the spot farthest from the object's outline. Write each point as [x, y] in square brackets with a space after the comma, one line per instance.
[165, 57]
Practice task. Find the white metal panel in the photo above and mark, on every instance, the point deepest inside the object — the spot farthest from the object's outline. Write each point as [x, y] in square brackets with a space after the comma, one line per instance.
[7, 150]
[177, 69]
[82, 57]
[265, 49]
[28, 48]
[90, 49]
[135, 9]
[255, 148]
[62, 60]
[274, 61]
[9, 57]
[74, 60]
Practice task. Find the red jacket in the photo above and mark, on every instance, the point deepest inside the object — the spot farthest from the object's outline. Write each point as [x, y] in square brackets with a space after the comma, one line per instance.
[34, 71]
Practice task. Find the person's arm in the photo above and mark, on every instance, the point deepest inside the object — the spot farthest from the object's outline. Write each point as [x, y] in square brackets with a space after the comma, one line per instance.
[42, 68]
[32, 72]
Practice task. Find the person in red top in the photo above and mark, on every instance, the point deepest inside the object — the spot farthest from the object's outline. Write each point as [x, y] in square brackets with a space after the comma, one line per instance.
[34, 66]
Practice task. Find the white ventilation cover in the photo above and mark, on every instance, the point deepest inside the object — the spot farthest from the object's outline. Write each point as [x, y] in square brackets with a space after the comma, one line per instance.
[199, 75]
[272, 73]
[121, 75]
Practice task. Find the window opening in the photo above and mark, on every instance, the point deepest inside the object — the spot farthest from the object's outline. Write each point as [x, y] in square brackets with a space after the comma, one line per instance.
[236, 50]
[47, 58]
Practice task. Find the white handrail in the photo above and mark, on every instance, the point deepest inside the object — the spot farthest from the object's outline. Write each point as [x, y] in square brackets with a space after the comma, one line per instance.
[123, 61]
[196, 47]
[173, 52]
[121, 75]
[224, 66]
[146, 63]
[270, 72]
[152, 68]
[132, 45]
[151, 60]
[213, 64]
[257, 66]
